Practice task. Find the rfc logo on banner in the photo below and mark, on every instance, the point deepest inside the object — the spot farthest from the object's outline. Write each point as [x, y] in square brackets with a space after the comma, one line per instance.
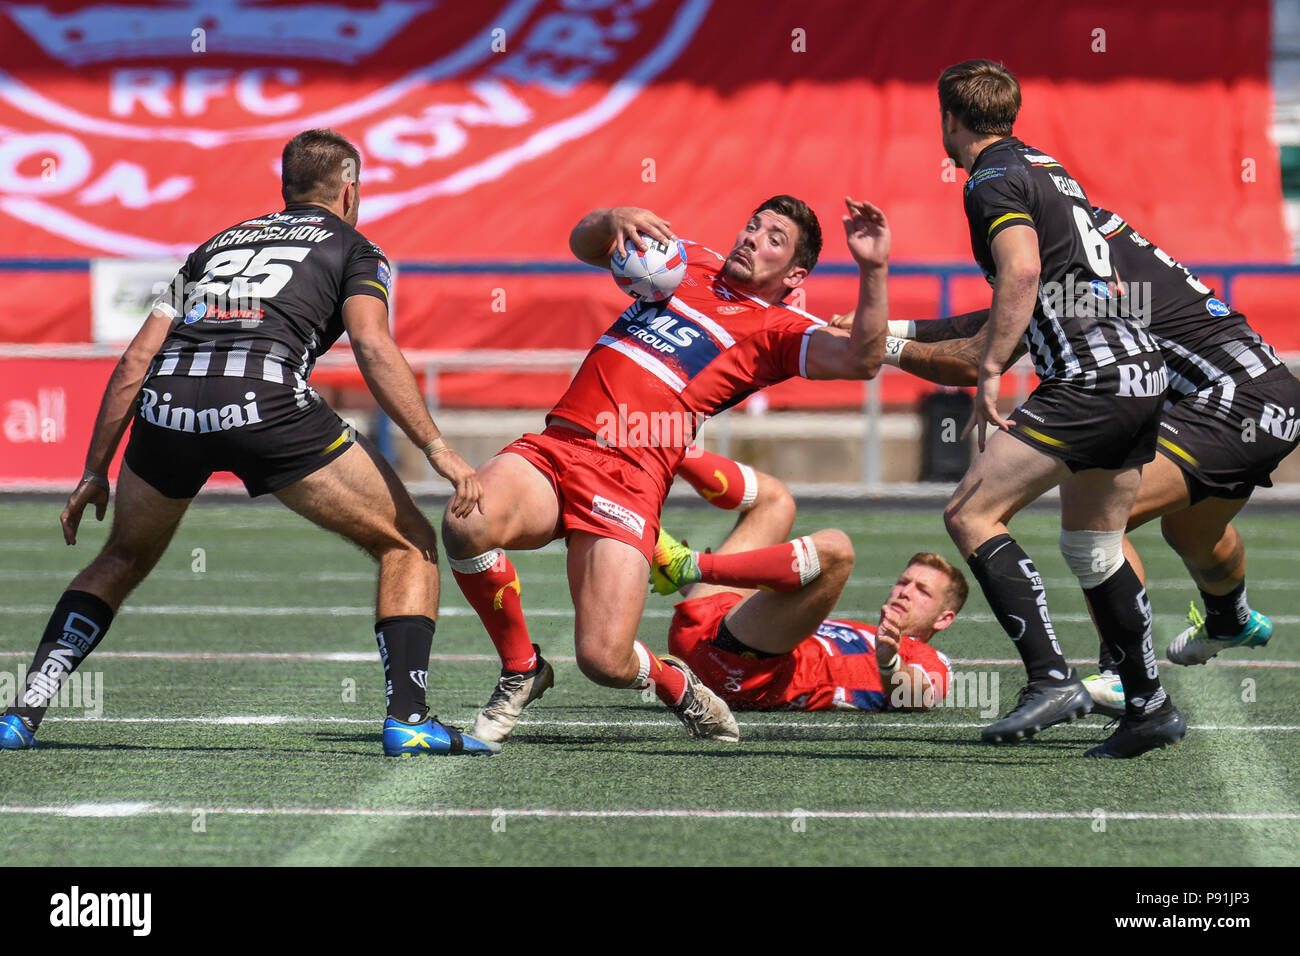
[441, 98]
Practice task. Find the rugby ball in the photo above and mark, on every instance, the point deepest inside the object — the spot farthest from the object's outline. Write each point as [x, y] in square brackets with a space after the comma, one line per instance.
[653, 275]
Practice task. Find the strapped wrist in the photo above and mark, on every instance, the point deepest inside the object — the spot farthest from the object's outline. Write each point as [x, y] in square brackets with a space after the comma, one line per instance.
[95, 479]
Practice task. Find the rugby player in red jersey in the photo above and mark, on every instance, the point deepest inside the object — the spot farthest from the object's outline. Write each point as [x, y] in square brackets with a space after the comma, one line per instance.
[774, 648]
[598, 474]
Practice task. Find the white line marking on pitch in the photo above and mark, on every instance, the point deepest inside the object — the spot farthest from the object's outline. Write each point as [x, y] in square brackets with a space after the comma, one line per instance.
[362, 657]
[259, 720]
[207, 610]
[140, 809]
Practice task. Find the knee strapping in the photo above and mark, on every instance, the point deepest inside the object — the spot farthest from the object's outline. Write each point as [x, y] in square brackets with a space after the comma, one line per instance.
[1093, 556]
[477, 564]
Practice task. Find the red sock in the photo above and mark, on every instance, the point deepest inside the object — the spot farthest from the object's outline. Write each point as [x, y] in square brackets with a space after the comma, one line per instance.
[491, 585]
[781, 567]
[722, 482]
[669, 682]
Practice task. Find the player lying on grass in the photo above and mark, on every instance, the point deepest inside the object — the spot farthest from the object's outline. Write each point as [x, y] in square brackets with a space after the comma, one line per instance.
[1230, 421]
[754, 623]
[217, 380]
[599, 473]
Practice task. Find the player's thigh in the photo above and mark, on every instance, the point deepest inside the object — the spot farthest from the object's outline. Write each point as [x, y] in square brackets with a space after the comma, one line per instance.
[778, 623]
[1200, 527]
[1002, 480]
[359, 496]
[1099, 499]
[607, 579]
[144, 520]
[1163, 489]
[519, 510]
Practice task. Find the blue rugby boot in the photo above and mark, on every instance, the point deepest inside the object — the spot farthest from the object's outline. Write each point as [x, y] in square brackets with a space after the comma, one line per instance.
[15, 734]
[430, 738]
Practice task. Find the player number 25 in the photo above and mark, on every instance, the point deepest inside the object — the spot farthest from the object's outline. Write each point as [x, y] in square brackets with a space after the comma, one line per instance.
[257, 276]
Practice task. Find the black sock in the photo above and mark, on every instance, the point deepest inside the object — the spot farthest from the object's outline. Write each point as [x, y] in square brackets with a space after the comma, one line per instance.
[404, 644]
[1105, 660]
[1015, 592]
[1123, 614]
[78, 622]
[1226, 614]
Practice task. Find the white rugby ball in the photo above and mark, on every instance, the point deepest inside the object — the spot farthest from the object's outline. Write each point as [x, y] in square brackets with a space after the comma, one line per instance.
[653, 275]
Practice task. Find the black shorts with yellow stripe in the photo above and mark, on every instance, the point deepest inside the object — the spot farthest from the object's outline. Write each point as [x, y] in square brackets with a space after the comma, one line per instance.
[268, 434]
[1227, 453]
[1086, 429]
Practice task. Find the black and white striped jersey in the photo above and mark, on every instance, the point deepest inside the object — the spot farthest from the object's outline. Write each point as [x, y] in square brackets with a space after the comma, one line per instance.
[1078, 332]
[263, 298]
[1209, 347]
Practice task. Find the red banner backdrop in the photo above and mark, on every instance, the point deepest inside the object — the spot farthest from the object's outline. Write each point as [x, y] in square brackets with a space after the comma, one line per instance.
[488, 129]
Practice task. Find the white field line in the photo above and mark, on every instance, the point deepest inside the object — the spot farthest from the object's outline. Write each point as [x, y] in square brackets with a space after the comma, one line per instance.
[368, 657]
[264, 720]
[152, 809]
[210, 610]
[363, 657]
[368, 577]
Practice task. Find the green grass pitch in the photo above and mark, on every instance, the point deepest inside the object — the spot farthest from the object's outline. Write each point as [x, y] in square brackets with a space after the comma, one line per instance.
[233, 715]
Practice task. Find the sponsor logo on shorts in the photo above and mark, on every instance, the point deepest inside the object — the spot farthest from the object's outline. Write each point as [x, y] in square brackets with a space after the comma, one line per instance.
[616, 513]
[1021, 410]
[180, 418]
[1279, 422]
[1217, 307]
[1141, 381]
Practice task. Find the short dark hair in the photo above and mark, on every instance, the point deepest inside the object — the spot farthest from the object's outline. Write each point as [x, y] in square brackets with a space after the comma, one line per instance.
[315, 164]
[984, 95]
[957, 591]
[809, 246]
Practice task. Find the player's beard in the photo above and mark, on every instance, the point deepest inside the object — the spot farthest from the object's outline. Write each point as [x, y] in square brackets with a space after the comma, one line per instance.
[738, 271]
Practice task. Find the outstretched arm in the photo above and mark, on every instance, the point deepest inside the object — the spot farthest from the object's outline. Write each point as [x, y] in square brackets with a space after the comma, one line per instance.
[950, 327]
[393, 384]
[860, 353]
[110, 424]
[954, 362]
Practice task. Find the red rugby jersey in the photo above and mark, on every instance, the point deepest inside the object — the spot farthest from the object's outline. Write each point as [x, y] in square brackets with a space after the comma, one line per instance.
[665, 367]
